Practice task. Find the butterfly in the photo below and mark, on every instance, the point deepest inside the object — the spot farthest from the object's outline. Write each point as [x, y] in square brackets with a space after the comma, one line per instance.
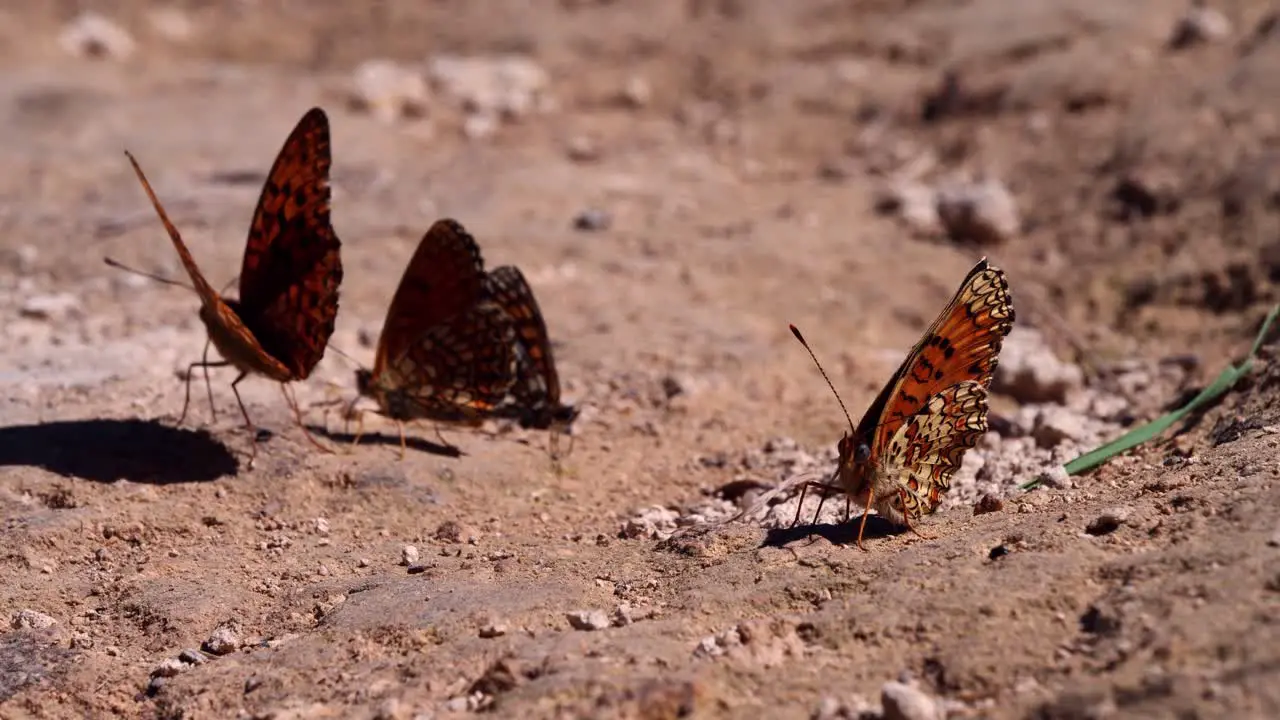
[536, 392]
[900, 458]
[460, 345]
[281, 323]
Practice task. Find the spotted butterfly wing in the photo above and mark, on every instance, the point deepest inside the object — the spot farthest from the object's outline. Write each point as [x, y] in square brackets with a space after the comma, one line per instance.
[926, 451]
[446, 351]
[537, 385]
[291, 271]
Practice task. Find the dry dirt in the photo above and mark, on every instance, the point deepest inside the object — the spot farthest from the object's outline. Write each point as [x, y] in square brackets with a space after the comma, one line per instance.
[739, 149]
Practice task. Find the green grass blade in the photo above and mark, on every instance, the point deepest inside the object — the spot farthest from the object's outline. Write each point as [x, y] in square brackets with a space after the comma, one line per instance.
[1224, 382]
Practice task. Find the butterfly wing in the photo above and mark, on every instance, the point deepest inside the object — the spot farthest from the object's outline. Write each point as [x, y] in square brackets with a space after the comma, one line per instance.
[446, 349]
[926, 450]
[443, 280]
[292, 269]
[537, 385]
[962, 344]
[460, 370]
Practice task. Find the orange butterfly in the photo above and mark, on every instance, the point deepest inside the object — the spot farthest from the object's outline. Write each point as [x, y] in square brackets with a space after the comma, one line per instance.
[281, 323]
[460, 345]
[901, 456]
[447, 350]
[536, 392]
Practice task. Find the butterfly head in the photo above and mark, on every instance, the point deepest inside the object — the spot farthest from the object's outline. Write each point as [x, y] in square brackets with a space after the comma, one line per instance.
[364, 382]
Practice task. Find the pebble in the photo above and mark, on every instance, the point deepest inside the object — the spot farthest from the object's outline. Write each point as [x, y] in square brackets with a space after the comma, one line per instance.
[408, 555]
[91, 35]
[1029, 372]
[1055, 425]
[508, 86]
[31, 620]
[588, 619]
[1108, 521]
[582, 149]
[169, 667]
[905, 702]
[54, 306]
[222, 641]
[653, 522]
[1055, 477]
[455, 532]
[915, 203]
[592, 220]
[637, 92]
[479, 126]
[1201, 24]
[982, 213]
[388, 90]
[493, 630]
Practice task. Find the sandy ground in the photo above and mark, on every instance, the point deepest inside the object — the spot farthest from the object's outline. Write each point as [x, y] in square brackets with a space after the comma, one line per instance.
[743, 155]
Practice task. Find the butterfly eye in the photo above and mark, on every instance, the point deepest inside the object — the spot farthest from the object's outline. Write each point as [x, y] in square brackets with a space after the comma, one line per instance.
[861, 453]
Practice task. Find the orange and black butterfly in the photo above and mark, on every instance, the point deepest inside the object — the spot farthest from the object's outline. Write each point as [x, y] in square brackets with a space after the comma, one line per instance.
[901, 456]
[460, 345]
[282, 321]
[536, 392]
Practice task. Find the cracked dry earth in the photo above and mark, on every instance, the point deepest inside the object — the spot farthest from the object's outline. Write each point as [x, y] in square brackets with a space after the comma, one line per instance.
[678, 181]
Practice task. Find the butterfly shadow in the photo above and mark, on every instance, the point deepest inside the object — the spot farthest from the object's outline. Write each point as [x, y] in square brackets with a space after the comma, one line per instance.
[374, 438]
[845, 533]
[106, 450]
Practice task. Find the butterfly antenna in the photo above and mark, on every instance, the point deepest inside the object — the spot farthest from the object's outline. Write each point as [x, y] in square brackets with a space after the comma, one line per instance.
[796, 331]
[152, 276]
[350, 359]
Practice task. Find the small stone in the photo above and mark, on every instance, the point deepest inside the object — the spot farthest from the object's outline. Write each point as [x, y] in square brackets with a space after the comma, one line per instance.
[192, 656]
[417, 569]
[1201, 24]
[321, 526]
[588, 620]
[31, 620]
[478, 126]
[497, 86]
[988, 504]
[362, 562]
[56, 306]
[458, 704]
[1055, 477]
[408, 555]
[91, 35]
[169, 667]
[582, 149]
[493, 630]
[592, 220]
[983, 213]
[654, 523]
[222, 641]
[455, 532]
[905, 702]
[1109, 521]
[637, 92]
[622, 615]
[916, 204]
[1055, 425]
[1274, 540]
[388, 90]
[1030, 373]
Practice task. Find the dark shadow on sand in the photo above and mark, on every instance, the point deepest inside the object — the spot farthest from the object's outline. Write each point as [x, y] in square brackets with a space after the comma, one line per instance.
[845, 533]
[410, 441]
[143, 451]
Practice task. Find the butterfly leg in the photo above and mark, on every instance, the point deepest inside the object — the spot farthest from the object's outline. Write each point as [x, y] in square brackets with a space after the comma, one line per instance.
[253, 431]
[297, 415]
[404, 446]
[203, 363]
[862, 527]
[359, 427]
[906, 517]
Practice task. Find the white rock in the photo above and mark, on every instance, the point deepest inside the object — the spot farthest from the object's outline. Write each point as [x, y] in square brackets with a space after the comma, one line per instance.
[904, 702]
[588, 619]
[408, 555]
[916, 204]
[54, 306]
[1055, 424]
[389, 90]
[982, 213]
[1029, 372]
[169, 667]
[222, 641]
[1201, 24]
[91, 35]
[637, 93]
[506, 85]
[31, 620]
